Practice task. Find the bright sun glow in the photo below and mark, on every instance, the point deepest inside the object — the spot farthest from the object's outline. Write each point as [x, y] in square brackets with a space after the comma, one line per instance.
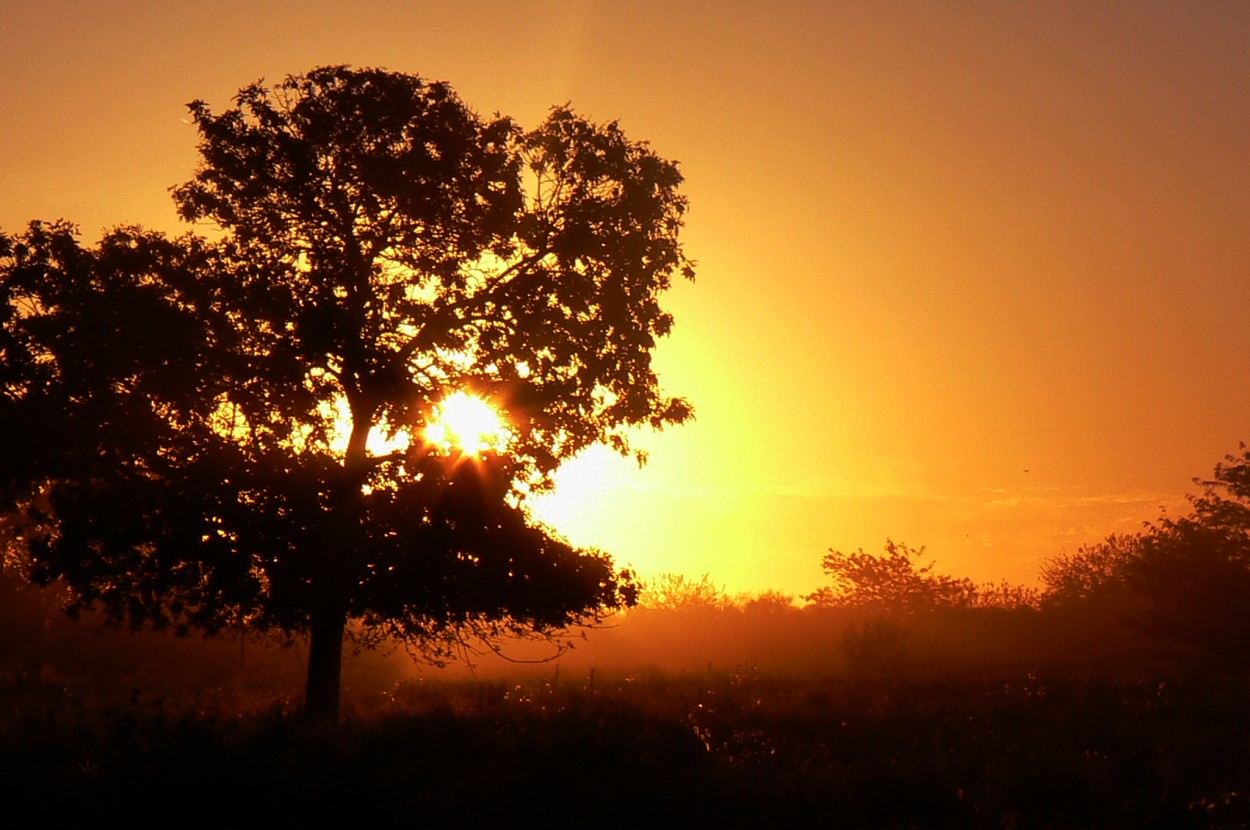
[467, 423]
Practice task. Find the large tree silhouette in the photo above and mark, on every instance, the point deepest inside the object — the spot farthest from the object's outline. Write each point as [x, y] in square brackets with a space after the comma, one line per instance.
[193, 417]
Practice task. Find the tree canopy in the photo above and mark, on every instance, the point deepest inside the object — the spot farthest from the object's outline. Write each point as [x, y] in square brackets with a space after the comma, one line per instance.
[1183, 581]
[1095, 573]
[195, 416]
[889, 583]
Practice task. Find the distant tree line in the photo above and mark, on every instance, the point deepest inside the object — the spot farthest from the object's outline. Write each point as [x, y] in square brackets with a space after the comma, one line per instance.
[1178, 589]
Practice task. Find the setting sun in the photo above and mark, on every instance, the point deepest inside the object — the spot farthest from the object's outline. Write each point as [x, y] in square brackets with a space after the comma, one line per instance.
[467, 423]
[1028, 222]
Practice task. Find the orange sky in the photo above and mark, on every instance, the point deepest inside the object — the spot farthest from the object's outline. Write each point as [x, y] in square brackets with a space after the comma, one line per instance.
[973, 276]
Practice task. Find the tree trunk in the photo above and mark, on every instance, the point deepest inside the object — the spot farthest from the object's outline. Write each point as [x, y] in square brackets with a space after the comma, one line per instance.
[329, 617]
[325, 666]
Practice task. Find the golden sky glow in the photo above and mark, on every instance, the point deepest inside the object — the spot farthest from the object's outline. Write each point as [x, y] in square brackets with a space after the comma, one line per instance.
[972, 276]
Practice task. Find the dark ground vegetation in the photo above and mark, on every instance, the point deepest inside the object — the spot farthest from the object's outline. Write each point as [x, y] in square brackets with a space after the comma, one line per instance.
[1003, 748]
[903, 698]
[941, 731]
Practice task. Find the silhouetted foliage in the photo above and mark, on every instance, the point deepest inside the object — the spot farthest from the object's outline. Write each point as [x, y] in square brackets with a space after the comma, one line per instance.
[875, 648]
[1095, 573]
[1014, 748]
[1006, 596]
[1194, 581]
[194, 417]
[767, 602]
[1225, 498]
[892, 582]
[1193, 573]
[678, 592]
[1182, 581]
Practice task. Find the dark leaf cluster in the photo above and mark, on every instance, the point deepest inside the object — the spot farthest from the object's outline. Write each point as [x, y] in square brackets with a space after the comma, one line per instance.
[1183, 581]
[890, 583]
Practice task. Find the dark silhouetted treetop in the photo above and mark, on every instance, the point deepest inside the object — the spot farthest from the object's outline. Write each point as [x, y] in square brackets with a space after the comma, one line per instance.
[1095, 573]
[1193, 580]
[1184, 581]
[1193, 573]
[678, 592]
[1225, 498]
[412, 248]
[890, 583]
[196, 417]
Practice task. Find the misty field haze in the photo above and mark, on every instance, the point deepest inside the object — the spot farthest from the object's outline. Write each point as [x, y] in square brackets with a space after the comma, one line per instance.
[993, 707]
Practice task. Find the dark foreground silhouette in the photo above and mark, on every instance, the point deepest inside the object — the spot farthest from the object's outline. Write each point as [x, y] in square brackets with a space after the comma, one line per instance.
[1115, 697]
[195, 416]
[697, 711]
[1011, 748]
